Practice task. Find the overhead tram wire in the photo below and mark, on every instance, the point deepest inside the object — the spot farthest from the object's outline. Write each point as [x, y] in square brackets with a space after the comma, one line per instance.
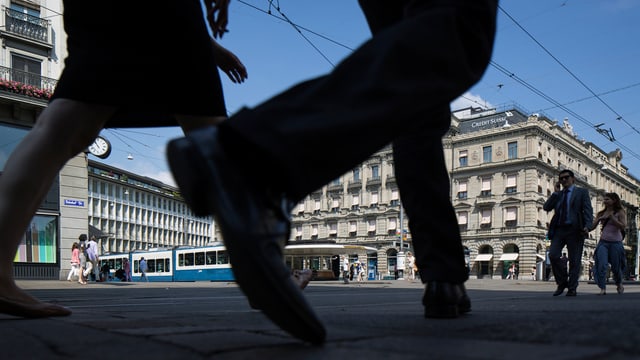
[618, 116]
[298, 28]
[561, 106]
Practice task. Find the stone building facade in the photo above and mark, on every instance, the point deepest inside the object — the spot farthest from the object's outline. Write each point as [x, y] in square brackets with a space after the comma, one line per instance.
[503, 166]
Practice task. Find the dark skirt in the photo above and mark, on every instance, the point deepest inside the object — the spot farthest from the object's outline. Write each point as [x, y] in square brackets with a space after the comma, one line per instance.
[151, 59]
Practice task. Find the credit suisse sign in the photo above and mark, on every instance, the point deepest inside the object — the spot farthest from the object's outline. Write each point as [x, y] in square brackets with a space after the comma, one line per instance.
[490, 122]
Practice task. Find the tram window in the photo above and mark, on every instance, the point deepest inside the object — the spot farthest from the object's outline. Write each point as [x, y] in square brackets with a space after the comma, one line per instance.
[159, 265]
[118, 264]
[188, 259]
[136, 266]
[151, 265]
[223, 258]
[167, 265]
[112, 263]
[199, 258]
[180, 259]
[211, 257]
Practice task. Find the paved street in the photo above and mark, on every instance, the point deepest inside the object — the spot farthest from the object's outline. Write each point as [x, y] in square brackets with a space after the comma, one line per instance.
[375, 320]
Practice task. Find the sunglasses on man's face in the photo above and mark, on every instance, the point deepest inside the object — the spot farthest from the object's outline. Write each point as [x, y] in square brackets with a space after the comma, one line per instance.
[564, 177]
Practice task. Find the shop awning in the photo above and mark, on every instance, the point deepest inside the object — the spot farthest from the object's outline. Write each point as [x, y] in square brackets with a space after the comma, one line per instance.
[483, 257]
[94, 231]
[509, 257]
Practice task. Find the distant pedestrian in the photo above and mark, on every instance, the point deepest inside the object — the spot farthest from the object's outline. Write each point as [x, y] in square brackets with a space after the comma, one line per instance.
[610, 250]
[105, 272]
[143, 270]
[75, 261]
[126, 266]
[512, 272]
[411, 263]
[92, 256]
[82, 256]
[345, 270]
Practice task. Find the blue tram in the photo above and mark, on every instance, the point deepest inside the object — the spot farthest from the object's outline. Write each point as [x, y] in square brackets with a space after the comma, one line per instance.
[208, 263]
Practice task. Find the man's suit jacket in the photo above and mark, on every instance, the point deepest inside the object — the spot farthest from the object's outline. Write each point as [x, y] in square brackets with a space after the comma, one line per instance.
[580, 210]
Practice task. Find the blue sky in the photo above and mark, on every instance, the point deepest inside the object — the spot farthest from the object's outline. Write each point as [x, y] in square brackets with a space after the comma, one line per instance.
[575, 59]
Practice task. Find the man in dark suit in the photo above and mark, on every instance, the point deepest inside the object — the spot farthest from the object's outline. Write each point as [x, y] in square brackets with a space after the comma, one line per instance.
[570, 224]
[395, 88]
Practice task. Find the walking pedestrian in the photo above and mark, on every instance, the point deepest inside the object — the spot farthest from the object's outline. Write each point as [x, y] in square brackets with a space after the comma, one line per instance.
[75, 261]
[573, 215]
[143, 269]
[395, 88]
[95, 91]
[613, 220]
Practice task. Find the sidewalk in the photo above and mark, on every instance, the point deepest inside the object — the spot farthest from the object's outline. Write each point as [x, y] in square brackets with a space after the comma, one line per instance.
[511, 319]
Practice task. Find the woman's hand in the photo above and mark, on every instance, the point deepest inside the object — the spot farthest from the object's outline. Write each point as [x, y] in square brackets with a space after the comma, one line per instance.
[217, 16]
[229, 63]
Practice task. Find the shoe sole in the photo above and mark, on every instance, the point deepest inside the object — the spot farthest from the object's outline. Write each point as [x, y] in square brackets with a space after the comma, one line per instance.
[263, 276]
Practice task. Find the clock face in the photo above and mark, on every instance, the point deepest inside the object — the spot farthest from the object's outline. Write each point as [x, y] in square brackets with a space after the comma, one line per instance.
[101, 147]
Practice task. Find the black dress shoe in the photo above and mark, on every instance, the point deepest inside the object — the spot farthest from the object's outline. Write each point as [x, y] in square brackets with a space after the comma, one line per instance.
[560, 289]
[445, 300]
[254, 224]
[572, 292]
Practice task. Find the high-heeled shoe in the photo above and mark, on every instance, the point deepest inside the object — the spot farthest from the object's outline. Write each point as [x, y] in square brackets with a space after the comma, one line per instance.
[620, 289]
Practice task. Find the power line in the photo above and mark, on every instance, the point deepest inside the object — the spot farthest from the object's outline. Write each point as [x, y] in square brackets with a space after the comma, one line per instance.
[618, 116]
[298, 28]
[608, 135]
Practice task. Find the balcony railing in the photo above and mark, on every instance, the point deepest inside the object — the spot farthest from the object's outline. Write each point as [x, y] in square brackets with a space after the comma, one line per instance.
[26, 83]
[29, 26]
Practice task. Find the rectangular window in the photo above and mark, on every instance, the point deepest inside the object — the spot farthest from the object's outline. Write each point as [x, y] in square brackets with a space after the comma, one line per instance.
[10, 136]
[511, 216]
[485, 218]
[463, 218]
[375, 172]
[25, 70]
[485, 190]
[372, 226]
[40, 242]
[395, 198]
[511, 184]
[335, 205]
[392, 224]
[355, 202]
[356, 174]
[333, 228]
[314, 230]
[374, 199]
[462, 190]
[486, 154]
[512, 150]
[463, 157]
[353, 228]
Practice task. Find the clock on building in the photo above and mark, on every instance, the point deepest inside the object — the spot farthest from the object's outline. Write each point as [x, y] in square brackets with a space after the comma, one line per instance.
[101, 147]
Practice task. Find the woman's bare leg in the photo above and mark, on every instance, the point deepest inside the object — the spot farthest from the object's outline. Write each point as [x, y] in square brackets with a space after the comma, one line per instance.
[64, 129]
